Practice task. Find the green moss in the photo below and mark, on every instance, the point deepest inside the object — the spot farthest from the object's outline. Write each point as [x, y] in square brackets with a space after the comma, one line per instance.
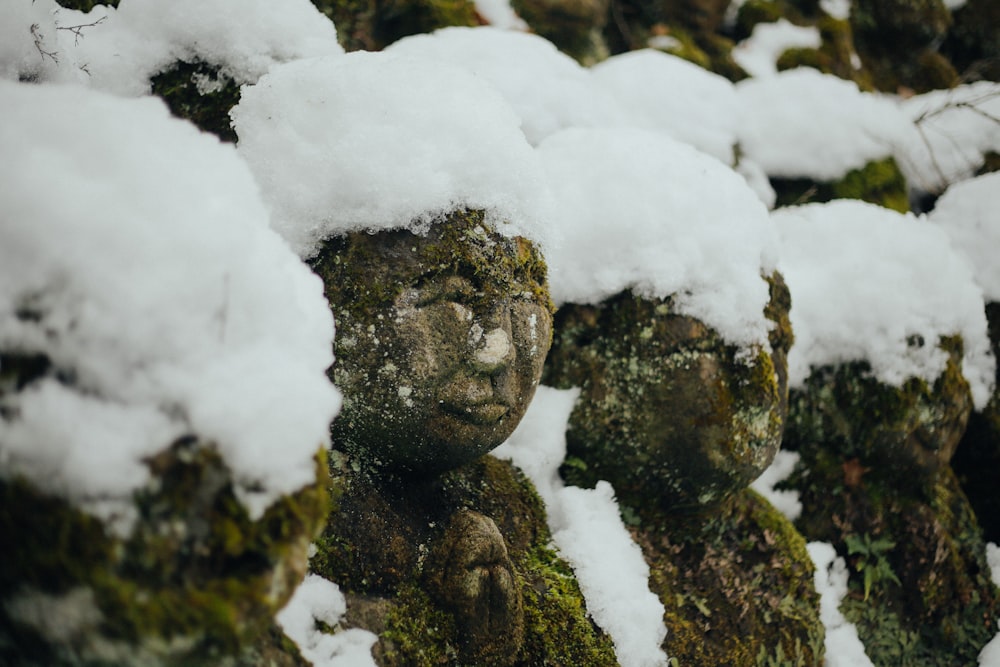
[380, 543]
[874, 465]
[668, 410]
[184, 587]
[736, 585]
[574, 27]
[879, 182]
[371, 26]
[200, 93]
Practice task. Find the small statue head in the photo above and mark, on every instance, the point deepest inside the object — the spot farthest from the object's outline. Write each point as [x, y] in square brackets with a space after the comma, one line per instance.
[441, 337]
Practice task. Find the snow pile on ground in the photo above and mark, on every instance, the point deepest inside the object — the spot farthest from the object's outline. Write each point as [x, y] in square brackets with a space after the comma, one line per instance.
[636, 209]
[871, 284]
[588, 530]
[969, 212]
[319, 600]
[370, 141]
[785, 501]
[843, 647]
[801, 123]
[119, 50]
[138, 263]
[547, 89]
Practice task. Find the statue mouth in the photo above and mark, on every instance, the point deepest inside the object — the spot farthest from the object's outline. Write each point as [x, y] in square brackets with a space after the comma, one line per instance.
[483, 414]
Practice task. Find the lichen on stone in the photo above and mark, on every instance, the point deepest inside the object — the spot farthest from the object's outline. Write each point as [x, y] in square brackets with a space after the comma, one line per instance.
[200, 93]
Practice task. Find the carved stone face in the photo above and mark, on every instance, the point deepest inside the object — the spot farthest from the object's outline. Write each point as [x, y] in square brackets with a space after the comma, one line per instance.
[440, 341]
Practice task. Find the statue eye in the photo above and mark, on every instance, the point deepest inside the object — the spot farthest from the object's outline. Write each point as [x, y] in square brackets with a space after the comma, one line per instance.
[445, 288]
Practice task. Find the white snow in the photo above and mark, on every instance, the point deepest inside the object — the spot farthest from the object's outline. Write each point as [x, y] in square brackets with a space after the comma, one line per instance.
[636, 209]
[804, 124]
[843, 647]
[954, 130]
[121, 49]
[588, 530]
[670, 94]
[785, 501]
[865, 279]
[758, 54]
[841, 9]
[969, 212]
[317, 599]
[547, 89]
[369, 141]
[160, 295]
[499, 14]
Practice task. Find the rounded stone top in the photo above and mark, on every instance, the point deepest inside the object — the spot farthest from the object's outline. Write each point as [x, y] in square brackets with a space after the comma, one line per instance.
[441, 340]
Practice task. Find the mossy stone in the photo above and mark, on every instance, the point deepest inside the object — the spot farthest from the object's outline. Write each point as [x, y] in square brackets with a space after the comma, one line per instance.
[977, 458]
[973, 42]
[903, 434]
[574, 26]
[371, 25]
[196, 582]
[874, 469]
[440, 340]
[415, 556]
[200, 93]
[736, 584]
[669, 413]
[878, 182]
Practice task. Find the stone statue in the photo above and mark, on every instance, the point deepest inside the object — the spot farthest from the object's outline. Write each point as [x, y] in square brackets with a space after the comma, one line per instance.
[680, 423]
[441, 551]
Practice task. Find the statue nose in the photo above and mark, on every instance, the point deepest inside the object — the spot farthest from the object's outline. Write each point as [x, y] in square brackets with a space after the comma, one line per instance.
[492, 349]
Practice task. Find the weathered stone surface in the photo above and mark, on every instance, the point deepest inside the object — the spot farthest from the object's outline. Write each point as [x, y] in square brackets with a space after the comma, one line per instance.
[455, 569]
[906, 433]
[195, 583]
[875, 482]
[668, 412]
[879, 182]
[977, 459]
[736, 582]
[440, 341]
[371, 26]
[574, 26]
[973, 43]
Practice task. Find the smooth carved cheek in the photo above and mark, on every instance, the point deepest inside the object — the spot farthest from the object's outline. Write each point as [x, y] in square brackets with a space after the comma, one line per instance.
[495, 349]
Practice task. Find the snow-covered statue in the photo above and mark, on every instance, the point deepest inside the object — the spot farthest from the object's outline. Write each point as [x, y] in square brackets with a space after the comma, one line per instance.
[421, 218]
[883, 376]
[164, 404]
[673, 323]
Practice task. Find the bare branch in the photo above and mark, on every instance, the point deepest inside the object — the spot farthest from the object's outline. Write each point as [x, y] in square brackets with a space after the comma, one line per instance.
[77, 30]
[36, 33]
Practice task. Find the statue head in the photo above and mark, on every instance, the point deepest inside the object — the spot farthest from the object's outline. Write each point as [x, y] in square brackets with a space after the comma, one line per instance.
[668, 410]
[441, 338]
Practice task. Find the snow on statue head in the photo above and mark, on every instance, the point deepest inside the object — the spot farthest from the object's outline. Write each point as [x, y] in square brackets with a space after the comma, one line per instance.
[164, 407]
[410, 188]
[670, 319]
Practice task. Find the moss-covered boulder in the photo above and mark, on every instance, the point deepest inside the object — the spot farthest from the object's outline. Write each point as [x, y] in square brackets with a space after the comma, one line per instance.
[875, 482]
[669, 413]
[898, 41]
[441, 340]
[455, 569]
[973, 42]
[689, 29]
[977, 458]
[575, 26]
[371, 25]
[200, 93]
[195, 581]
[736, 584]
[878, 182]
